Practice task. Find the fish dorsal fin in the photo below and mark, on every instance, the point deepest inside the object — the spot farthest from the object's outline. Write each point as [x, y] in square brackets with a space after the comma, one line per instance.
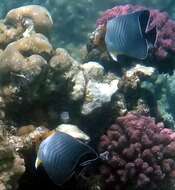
[144, 17]
[151, 36]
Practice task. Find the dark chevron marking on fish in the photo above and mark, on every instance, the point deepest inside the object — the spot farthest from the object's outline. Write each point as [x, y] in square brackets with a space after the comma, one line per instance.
[61, 155]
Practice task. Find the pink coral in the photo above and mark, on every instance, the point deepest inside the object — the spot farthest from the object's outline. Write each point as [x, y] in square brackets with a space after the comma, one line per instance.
[141, 154]
[165, 27]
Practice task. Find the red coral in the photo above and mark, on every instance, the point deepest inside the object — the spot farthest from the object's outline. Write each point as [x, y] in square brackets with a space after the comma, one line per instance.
[141, 154]
[165, 27]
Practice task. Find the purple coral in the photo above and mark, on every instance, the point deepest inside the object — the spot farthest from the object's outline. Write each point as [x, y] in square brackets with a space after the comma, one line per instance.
[165, 27]
[141, 154]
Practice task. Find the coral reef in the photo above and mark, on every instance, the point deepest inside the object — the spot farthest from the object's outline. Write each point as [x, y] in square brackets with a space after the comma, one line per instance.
[130, 87]
[89, 82]
[27, 139]
[74, 131]
[37, 82]
[141, 154]
[97, 92]
[42, 87]
[80, 17]
[165, 43]
[31, 68]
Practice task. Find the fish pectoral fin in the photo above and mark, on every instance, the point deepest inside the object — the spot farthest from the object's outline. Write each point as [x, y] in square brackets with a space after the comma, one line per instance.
[38, 162]
[113, 56]
[144, 16]
[151, 36]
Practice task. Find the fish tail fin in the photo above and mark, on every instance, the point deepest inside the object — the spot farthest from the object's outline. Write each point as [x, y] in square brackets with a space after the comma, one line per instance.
[151, 36]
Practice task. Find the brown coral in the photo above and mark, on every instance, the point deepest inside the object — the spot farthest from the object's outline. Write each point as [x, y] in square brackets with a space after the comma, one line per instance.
[29, 139]
[40, 17]
[61, 61]
[33, 44]
[24, 21]
[23, 61]
[9, 34]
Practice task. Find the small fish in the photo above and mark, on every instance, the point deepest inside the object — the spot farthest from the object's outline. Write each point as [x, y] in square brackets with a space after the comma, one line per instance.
[65, 117]
[127, 35]
[21, 80]
[62, 155]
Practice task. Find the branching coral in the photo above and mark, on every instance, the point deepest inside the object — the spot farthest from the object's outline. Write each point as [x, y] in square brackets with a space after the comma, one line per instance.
[141, 154]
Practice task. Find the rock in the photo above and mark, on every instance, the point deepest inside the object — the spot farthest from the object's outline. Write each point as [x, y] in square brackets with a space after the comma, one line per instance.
[140, 70]
[93, 71]
[79, 86]
[133, 77]
[98, 94]
[12, 165]
[65, 71]
[74, 131]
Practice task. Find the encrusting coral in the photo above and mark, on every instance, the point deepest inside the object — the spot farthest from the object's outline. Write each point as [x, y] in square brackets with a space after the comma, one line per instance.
[132, 77]
[142, 154]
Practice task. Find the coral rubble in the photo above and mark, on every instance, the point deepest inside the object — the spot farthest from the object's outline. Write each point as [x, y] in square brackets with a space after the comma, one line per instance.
[141, 154]
[12, 165]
